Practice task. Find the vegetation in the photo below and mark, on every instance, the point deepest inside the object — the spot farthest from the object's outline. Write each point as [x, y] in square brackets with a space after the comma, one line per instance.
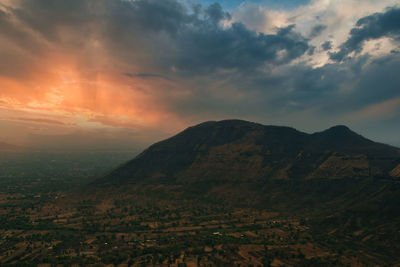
[184, 204]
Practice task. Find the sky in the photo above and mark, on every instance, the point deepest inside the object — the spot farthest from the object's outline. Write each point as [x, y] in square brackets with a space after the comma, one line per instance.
[122, 74]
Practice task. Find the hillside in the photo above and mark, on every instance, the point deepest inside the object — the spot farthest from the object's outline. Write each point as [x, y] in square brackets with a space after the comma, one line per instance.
[239, 150]
[344, 187]
[228, 193]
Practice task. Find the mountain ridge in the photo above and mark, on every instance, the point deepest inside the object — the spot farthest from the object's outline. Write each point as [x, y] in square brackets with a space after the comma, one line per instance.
[345, 187]
[247, 150]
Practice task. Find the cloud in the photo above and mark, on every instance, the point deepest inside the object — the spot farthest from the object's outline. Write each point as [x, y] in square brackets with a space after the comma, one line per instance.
[149, 65]
[35, 120]
[317, 30]
[148, 75]
[260, 18]
[66, 56]
[371, 27]
[299, 95]
[327, 45]
[386, 109]
[216, 14]
[210, 48]
[338, 16]
[171, 38]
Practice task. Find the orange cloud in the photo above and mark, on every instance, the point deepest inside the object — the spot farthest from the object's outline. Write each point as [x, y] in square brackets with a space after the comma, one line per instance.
[35, 120]
[73, 76]
[106, 97]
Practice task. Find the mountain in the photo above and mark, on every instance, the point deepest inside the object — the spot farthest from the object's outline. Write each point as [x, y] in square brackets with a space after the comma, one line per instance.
[235, 150]
[339, 187]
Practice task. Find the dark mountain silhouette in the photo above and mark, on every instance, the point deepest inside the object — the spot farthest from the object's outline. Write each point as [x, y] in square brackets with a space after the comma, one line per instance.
[345, 186]
[238, 150]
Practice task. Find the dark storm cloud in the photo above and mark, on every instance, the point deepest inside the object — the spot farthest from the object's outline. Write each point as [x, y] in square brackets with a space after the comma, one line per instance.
[379, 81]
[147, 75]
[327, 45]
[50, 17]
[18, 47]
[218, 71]
[342, 88]
[207, 48]
[336, 88]
[332, 93]
[215, 13]
[311, 50]
[162, 35]
[371, 27]
[317, 30]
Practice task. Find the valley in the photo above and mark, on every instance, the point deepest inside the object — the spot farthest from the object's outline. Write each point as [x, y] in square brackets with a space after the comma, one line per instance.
[137, 230]
[229, 193]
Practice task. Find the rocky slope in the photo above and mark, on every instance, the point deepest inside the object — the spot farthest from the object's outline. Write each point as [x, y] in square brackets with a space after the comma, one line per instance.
[235, 150]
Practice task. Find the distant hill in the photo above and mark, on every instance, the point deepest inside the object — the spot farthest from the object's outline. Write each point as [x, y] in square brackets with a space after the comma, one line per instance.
[235, 150]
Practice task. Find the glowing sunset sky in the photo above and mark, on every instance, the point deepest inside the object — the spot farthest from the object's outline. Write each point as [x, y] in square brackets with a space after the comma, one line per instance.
[123, 74]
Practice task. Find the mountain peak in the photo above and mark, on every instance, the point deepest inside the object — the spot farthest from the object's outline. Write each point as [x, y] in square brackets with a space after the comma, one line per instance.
[241, 150]
[226, 123]
[339, 129]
